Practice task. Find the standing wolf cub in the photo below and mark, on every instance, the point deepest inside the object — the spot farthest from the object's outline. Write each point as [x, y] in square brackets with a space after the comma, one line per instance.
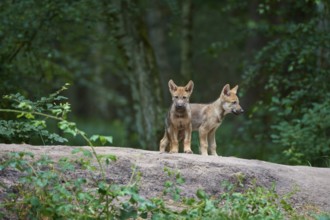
[178, 121]
[206, 118]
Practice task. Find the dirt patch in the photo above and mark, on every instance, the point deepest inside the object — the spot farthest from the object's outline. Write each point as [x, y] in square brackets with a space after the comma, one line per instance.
[311, 185]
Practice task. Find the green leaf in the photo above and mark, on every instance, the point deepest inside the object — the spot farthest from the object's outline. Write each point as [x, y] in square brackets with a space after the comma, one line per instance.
[144, 215]
[34, 201]
[101, 138]
[201, 194]
[189, 201]
[85, 152]
[24, 105]
[111, 157]
[26, 115]
[209, 205]
[128, 213]
[41, 123]
[68, 127]
[94, 138]
[56, 112]
[29, 116]
[168, 184]
[105, 139]
[180, 180]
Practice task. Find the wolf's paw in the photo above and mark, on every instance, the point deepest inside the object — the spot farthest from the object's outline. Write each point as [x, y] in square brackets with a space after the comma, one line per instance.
[188, 151]
[173, 152]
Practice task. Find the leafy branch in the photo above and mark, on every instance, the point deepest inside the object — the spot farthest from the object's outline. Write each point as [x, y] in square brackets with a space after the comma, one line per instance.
[28, 122]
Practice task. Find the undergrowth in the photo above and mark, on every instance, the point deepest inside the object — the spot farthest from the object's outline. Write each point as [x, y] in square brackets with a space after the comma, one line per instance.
[74, 189]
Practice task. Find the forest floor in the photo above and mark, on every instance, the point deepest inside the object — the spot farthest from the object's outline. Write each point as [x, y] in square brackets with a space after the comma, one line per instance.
[310, 187]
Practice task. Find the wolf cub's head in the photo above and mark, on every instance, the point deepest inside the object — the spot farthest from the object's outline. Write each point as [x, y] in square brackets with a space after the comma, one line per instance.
[230, 100]
[180, 94]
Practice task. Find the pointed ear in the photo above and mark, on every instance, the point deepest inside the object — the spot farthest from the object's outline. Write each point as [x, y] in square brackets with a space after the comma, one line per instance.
[172, 86]
[234, 90]
[226, 90]
[189, 87]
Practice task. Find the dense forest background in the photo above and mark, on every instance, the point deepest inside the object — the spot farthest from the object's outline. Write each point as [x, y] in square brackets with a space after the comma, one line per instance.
[118, 56]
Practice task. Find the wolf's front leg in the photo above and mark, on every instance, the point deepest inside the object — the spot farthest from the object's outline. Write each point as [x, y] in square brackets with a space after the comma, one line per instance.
[174, 141]
[203, 140]
[187, 140]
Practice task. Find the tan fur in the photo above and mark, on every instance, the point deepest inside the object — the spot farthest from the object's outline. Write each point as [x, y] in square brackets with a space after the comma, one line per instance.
[206, 118]
[178, 121]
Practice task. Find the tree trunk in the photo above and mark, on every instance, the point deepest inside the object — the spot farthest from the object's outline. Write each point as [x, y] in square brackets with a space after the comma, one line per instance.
[141, 72]
[157, 33]
[323, 26]
[186, 40]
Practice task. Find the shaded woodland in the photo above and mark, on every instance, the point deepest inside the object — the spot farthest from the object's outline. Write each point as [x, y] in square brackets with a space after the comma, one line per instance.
[118, 56]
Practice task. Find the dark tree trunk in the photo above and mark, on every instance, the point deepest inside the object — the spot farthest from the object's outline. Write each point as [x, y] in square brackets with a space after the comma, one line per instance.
[157, 33]
[141, 72]
[186, 40]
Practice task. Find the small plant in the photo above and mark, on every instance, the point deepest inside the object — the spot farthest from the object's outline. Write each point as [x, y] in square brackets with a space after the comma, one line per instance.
[45, 190]
[172, 185]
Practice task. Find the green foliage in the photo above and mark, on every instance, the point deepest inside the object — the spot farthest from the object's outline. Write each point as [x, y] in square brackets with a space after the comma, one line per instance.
[292, 69]
[307, 138]
[46, 189]
[172, 185]
[32, 117]
[260, 202]
[103, 139]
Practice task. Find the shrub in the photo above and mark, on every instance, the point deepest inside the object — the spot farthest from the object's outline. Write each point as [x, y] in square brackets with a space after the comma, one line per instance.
[32, 119]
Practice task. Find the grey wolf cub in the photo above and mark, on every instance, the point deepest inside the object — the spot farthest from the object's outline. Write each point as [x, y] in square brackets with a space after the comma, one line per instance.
[178, 121]
[206, 118]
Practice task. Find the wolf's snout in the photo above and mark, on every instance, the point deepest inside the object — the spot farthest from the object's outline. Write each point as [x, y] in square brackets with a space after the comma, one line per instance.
[238, 111]
[180, 106]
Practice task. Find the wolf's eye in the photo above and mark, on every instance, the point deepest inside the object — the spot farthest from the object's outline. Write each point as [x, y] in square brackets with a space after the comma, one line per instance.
[176, 97]
[184, 97]
[234, 102]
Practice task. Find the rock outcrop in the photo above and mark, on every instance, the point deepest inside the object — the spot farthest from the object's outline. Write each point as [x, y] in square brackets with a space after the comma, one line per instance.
[310, 186]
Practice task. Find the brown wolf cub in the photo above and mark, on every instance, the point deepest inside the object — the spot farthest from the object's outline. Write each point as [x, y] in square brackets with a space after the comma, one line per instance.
[206, 118]
[178, 121]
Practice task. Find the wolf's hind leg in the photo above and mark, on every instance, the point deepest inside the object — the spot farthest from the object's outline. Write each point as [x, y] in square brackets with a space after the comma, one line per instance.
[203, 140]
[164, 142]
[212, 142]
